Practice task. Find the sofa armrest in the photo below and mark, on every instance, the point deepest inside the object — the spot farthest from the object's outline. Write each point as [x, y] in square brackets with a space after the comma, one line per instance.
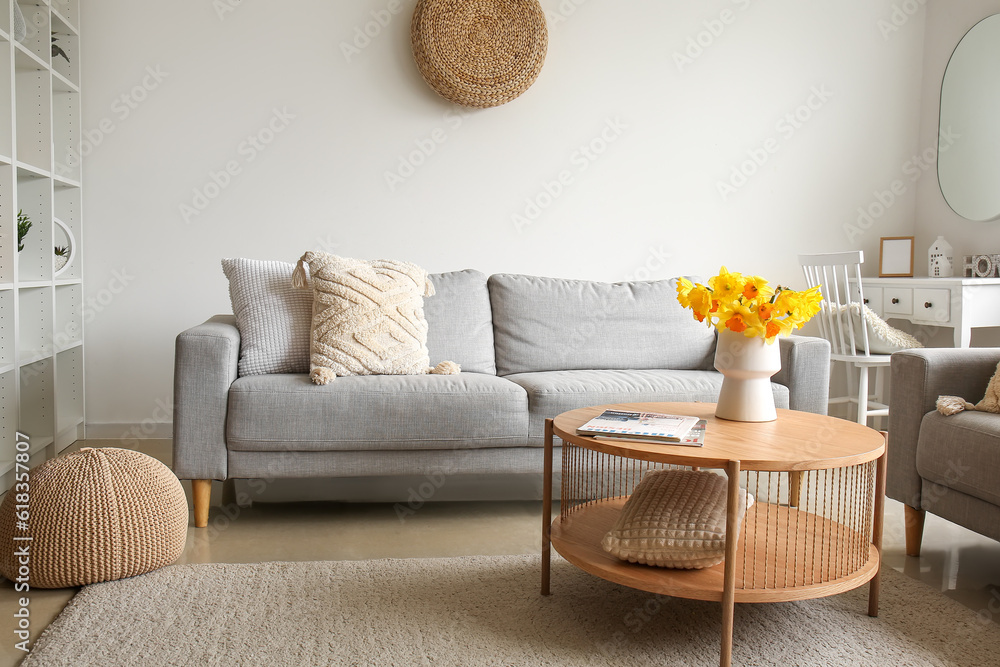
[805, 370]
[205, 365]
[918, 378]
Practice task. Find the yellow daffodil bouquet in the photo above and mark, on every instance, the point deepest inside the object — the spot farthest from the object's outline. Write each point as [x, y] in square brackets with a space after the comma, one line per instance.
[748, 304]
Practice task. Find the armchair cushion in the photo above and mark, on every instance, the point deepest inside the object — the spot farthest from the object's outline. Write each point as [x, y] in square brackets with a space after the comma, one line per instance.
[961, 452]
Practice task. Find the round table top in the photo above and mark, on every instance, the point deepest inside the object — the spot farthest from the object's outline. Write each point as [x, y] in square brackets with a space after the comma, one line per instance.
[794, 441]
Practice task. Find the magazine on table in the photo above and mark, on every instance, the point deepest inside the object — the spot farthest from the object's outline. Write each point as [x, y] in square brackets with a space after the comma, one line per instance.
[693, 438]
[639, 425]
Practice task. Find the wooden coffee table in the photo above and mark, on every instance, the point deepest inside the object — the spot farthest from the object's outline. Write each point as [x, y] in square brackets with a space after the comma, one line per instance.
[814, 530]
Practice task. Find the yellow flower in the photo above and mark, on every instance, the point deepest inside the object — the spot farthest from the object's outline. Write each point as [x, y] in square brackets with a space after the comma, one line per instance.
[765, 310]
[777, 328]
[755, 286]
[684, 287]
[739, 318]
[701, 302]
[811, 302]
[726, 285]
[736, 323]
[697, 297]
[799, 307]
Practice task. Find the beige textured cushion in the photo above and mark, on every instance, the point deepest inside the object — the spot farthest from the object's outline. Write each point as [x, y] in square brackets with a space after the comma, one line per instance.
[368, 317]
[991, 401]
[94, 515]
[674, 518]
[882, 337]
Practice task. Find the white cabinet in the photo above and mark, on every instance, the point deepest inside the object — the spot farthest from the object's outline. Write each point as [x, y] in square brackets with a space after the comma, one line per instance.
[961, 304]
[41, 292]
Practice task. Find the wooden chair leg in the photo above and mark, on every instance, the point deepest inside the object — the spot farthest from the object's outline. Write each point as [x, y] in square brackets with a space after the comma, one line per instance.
[914, 519]
[201, 494]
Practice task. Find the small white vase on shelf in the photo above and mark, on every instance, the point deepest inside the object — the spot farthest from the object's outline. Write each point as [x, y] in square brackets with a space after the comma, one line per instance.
[747, 365]
[940, 259]
[64, 235]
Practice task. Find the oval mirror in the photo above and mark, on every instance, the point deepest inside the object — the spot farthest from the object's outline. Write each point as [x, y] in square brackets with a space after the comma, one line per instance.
[969, 131]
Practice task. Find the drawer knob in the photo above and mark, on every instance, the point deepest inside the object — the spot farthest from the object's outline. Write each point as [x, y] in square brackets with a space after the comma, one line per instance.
[866, 300]
[927, 304]
[895, 300]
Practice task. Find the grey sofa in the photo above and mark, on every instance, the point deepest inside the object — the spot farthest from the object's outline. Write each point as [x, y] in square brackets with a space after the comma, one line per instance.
[946, 465]
[529, 347]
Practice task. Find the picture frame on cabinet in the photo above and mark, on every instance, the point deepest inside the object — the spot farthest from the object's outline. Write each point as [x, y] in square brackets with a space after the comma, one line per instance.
[895, 257]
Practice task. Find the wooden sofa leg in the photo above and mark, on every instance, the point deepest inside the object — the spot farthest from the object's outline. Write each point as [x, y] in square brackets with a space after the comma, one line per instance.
[201, 493]
[914, 519]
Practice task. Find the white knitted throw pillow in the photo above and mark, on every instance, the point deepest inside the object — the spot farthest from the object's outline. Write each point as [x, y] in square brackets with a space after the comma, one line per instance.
[674, 518]
[882, 338]
[368, 317]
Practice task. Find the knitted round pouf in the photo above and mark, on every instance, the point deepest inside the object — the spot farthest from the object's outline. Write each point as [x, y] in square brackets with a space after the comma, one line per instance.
[93, 515]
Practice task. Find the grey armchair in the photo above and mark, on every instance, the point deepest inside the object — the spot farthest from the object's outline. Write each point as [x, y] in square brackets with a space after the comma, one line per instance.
[944, 465]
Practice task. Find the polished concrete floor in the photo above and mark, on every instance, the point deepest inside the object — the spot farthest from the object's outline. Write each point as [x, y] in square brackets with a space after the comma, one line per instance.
[961, 564]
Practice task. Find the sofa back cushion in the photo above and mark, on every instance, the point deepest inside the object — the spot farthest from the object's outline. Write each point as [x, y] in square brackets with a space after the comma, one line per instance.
[551, 324]
[275, 320]
[460, 322]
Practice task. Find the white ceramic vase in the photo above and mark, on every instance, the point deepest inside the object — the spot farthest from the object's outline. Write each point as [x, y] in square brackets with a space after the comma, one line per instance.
[747, 365]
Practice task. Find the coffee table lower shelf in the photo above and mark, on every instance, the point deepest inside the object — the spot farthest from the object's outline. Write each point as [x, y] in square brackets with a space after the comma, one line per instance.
[767, 570]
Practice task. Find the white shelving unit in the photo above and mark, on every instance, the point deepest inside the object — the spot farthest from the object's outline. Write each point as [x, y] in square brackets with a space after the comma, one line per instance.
[41, 307]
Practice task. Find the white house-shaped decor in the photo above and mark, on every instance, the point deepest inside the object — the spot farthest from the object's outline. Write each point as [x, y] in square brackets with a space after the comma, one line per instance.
[940, 259]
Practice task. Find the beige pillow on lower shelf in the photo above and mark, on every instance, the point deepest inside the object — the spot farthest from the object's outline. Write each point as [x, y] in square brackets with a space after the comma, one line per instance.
[674, 518]
[367, 317]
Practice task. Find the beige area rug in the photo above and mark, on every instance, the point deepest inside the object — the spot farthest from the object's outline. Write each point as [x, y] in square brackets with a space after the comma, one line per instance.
[484, 610]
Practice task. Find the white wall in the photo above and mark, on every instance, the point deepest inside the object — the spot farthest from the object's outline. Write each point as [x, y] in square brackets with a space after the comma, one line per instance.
[320, 183]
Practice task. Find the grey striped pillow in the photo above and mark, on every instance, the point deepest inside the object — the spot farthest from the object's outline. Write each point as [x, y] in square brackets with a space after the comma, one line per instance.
[274, 320]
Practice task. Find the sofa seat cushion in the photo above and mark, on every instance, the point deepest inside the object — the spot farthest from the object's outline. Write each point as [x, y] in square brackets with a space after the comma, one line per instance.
[287, 413]
[553, 392]
[961, 452]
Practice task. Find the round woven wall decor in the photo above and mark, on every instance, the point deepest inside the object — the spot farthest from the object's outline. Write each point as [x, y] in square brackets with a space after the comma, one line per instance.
[479, 53]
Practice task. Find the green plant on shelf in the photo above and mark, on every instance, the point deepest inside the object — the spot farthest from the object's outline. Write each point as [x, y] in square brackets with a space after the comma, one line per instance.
[62, 258]
[23, 225]
[57, 50]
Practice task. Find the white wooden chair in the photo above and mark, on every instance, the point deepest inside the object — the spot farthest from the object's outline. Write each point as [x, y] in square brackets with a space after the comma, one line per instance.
[840, 275]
